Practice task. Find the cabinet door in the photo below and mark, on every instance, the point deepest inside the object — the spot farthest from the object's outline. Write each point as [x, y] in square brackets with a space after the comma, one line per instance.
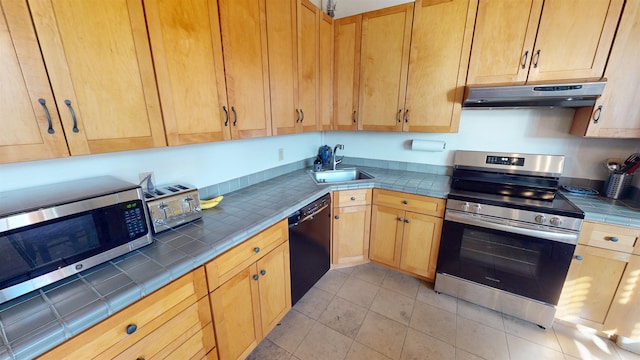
[244, 40]
[386, 36]
[624, 315]
[282, 37]
[591, 284]
[236, 315]
[386, 235]
[187, 54]
[27, 133]
[440, 47]
[616, 113]
[309, 50]
[420, 244]
[351, 234]
[346, 76]
[274, 286]
[503, 41]
[99, 63]
[574, 38]
[326, 72]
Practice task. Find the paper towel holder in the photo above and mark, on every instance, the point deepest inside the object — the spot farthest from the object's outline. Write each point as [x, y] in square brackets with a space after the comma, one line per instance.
[428, 145]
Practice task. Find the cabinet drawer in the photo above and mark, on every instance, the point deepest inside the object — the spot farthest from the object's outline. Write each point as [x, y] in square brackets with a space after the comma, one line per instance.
[188, 334]
[351, 197]
[416, 203]
[607, 236]
[109, 338]
[225, 266]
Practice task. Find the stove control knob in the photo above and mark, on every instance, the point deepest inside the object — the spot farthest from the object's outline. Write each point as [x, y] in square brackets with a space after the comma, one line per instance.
[540, 219]
[476, 208]
[464, 207]
[555, 221]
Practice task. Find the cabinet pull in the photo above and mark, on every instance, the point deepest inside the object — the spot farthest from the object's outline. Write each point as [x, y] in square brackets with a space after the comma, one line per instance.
[535, 62]
[406, 116]
[46, 112]
[400, 115]
[596, 114]
[226, 115]
[354, 116]
[524, 59]
[579, 257]
[73, 115]
[235, 115]
[405, 202]
[302, 118]
[337, 217]
[140, 358]
[353, 198]
[613, 239]
[131, 328]
[400, 219]
[263, 272]
[298, 117]
[256, 277]
[256, 249]
[407, 221]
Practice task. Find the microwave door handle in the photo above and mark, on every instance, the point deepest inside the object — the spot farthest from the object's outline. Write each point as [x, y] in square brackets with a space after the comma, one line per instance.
[522, 229]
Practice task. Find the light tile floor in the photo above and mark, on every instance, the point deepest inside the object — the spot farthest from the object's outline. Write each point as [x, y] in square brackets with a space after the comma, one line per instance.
[368, 312]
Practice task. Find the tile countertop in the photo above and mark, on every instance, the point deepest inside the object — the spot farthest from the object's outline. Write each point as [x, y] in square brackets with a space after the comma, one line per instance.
[38, 321]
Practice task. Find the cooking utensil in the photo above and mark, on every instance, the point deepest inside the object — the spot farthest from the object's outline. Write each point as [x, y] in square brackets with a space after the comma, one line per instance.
[613, 164]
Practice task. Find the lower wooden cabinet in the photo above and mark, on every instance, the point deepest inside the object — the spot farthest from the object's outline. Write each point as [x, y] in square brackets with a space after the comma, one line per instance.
[350, 227]
[602, 287]
[254, 299]
[403, 239]
[173, 322]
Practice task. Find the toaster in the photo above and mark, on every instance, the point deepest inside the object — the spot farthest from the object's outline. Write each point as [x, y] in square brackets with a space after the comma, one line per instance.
[172, 205]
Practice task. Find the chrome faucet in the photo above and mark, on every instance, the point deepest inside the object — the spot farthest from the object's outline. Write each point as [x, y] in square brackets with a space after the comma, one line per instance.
[334, 160]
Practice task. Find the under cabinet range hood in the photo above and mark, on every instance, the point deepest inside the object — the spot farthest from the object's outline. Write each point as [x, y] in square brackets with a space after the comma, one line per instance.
[568, 95]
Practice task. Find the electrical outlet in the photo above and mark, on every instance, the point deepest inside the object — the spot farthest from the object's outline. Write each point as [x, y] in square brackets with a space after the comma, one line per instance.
[280, 154]
[143, 175]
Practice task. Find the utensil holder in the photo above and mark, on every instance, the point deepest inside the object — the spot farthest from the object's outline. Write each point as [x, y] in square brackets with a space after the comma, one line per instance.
[617, 185]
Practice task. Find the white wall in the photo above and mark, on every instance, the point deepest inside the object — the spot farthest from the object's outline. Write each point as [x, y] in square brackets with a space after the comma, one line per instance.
[544, 131]
[200, 165]
[346, 8]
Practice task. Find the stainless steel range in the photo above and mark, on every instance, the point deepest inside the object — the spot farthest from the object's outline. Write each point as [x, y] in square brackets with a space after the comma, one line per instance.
[508, 235]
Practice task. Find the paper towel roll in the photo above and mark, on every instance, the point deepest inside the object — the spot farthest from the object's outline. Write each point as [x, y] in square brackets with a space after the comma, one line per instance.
[428, 145]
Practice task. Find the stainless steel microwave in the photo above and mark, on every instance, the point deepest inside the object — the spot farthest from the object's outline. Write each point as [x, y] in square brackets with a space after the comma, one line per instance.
[50, 232]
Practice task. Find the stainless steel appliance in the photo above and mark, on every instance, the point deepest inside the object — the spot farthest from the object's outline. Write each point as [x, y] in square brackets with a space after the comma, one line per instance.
[50, 232]
[570, 95]
[172, 205]
[508, 236]
[309, 245]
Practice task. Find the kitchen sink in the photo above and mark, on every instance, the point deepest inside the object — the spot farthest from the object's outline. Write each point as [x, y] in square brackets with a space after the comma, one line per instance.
[346, 175]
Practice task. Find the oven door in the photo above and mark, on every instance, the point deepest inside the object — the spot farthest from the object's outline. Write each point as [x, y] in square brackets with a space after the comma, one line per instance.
[518, 263]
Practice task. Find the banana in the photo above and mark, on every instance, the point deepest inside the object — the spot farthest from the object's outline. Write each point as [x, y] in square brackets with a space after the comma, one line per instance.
[208, 204]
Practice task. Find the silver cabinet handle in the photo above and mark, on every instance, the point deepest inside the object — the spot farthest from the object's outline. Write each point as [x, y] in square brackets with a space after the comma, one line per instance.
[524, 59]
[596, 114]
[535, 62]
[302, 118]
[235, 116]
[226, 115]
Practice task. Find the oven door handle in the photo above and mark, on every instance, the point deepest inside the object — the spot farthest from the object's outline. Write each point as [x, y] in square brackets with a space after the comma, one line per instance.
[522, 228]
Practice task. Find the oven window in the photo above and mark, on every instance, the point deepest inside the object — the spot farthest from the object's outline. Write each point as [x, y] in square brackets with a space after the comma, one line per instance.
[524, 265]
[25, 251]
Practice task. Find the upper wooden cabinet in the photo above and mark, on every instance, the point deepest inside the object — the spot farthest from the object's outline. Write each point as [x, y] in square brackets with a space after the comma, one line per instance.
[282, 38]
[99, 64]
[384, 60]
[30, 122]
[346, 72]
[244, 40]
[537, 41]
[187, 54]
[440, 47]
[326, 72]
[616, 113]
[412, 67]
[309, 65]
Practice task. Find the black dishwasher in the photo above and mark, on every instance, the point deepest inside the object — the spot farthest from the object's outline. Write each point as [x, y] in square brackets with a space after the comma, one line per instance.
[310, 245]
